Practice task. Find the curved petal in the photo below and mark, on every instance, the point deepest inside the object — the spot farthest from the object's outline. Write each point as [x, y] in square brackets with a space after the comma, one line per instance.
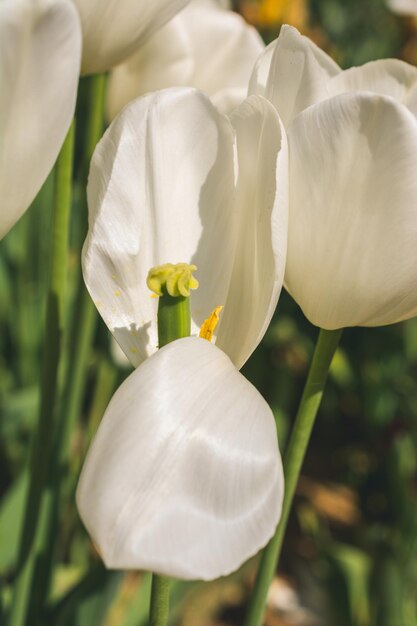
[224, 46]
[260, 72]
[403, 6]
[387, 77]
[226, 100]
[40, 48]
[352, 254]
[161, 190]
[184, 476]
[203, 46]
[165, 60]
[262, 206]
[113, 32]
[411, 100]
[298, 75]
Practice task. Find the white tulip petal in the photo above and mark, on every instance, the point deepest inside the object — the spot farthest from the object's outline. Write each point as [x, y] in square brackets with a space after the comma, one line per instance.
[298, 74]
[165, 60]
[387, 77]
[203, 46]
[408, 7]
[226, 100]
[352, 254]
[260, 73]
[113, 32]
[40, 48]
[161, 190]
[411, 100]
[224, 46]
[184, 476]
[262, 206]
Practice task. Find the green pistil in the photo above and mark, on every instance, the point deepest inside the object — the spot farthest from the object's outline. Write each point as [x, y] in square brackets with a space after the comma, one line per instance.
[172, 283]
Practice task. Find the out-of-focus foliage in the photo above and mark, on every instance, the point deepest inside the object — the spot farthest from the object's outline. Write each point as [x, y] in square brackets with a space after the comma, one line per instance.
[350, 556]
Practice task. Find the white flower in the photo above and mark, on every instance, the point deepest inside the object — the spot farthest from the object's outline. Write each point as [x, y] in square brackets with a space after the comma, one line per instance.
[114, 29]
[173, 181]
[184, 476]
[40, 48]
[203, 46]
[352, 253]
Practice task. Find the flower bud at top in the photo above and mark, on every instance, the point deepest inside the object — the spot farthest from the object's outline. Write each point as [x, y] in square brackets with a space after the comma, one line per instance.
[174, 279]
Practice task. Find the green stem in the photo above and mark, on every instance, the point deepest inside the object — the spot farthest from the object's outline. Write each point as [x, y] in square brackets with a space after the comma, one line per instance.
[81, 338]
[95, 121]
[313, 391]
[41, 445]
[85, 318]
[174, 320]
[159, 608]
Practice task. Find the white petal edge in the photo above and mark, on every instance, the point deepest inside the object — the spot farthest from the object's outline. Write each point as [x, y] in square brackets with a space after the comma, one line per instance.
[297, 76]
[114, 32]
[161, 190]
[260, 72]
[352, 255]
[387, 77]
[184, 476]
[224, 46]
[40, 48]
[164, 60]
[203, 47]
[261, 245]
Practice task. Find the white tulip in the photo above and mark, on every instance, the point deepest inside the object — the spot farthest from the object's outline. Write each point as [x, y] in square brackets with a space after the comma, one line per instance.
[203, 46]
[40, 48]
[173, 181]
[408, 7]
[352, 253]
[114, 29]
[184, 476]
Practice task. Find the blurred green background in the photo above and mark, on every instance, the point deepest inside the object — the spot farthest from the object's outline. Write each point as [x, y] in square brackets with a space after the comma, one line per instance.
[350, 555]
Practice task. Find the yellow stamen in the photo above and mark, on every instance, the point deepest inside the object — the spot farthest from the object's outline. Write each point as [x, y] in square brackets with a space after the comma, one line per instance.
[208, 326]
[176, 280]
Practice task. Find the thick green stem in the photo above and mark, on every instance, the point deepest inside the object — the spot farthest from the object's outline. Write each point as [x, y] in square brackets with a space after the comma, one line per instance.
[174, 322]
[294, 457]
[159, 608]
[41, 445]
[80, 341]
[95, 119]
[174, 318]
[85, 318]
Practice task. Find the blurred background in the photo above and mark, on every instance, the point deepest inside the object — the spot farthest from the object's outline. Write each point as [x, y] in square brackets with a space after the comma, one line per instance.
[350, 555]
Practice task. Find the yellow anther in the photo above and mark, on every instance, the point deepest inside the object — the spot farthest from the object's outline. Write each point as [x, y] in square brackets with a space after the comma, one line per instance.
[208, 326]
[176, 280]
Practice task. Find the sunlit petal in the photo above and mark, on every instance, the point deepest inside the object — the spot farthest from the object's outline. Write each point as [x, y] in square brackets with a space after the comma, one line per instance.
[40, 47]
[387, 77]
[260, 73]
[261, 245]
[295, 75]
[165, 60]
[184, 476]
[115, 29]
[352, 254]
[203, 46]
[161, 190]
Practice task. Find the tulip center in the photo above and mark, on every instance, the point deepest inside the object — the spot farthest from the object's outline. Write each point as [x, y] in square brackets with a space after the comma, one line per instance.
[175, 280]
[173, 283]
